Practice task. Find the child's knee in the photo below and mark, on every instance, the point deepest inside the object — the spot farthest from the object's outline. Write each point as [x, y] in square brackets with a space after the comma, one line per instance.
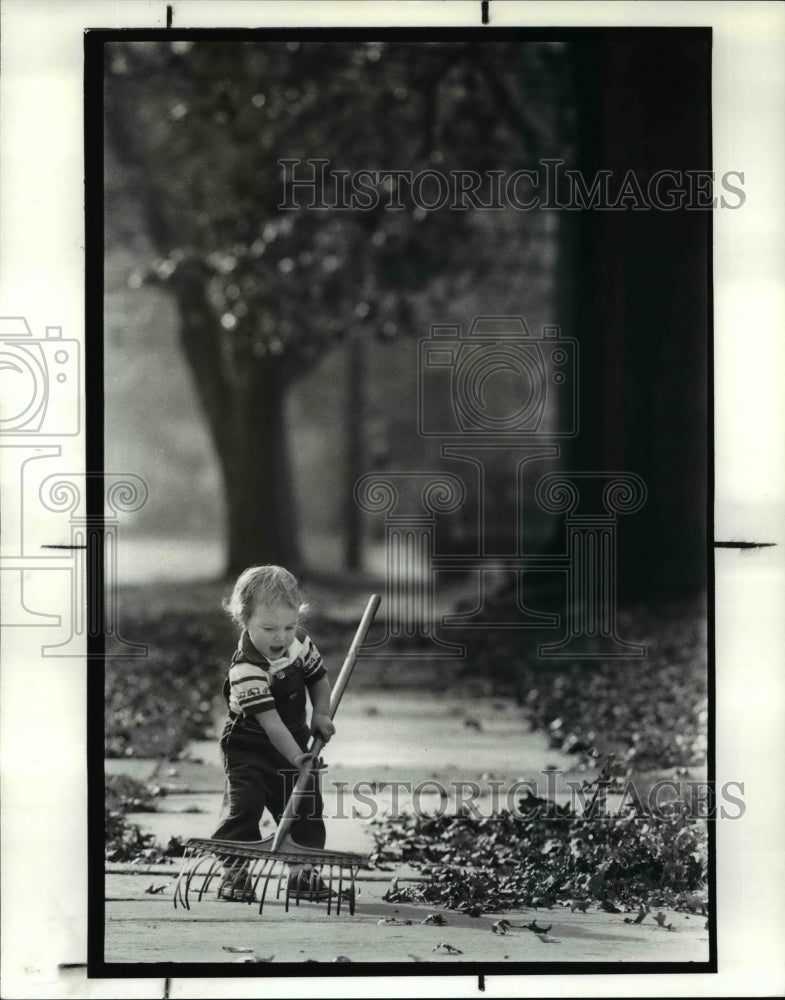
[246, 790]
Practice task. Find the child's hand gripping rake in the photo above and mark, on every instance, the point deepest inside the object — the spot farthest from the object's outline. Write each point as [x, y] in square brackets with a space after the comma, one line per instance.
[254, 861]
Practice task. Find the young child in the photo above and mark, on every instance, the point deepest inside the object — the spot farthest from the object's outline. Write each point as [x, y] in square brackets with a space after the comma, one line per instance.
[264, 741]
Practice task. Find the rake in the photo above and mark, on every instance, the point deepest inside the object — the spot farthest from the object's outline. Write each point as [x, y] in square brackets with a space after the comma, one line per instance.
[270, 861]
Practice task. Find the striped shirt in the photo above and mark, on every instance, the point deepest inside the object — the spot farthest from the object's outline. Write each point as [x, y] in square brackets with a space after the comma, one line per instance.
[256, 684]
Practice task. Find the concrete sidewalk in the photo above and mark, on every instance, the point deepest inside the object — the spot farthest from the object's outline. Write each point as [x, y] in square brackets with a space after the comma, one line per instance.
[381, 741]
[387, 751]
[146, 928]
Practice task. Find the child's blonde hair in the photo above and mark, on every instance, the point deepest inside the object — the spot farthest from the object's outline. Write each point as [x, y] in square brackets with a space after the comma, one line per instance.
[272, 586]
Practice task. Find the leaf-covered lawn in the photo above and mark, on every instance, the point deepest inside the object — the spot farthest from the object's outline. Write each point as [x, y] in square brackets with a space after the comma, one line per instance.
[651, 713]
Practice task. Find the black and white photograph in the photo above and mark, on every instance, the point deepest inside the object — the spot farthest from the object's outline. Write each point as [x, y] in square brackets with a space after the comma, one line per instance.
[400, 541]
[401, 315]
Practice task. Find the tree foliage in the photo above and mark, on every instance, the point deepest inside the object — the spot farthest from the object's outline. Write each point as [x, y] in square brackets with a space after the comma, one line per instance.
[199, 129]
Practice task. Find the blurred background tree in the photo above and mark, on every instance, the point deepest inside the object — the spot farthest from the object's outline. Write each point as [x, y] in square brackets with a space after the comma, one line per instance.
[265, 297]
[196, 130]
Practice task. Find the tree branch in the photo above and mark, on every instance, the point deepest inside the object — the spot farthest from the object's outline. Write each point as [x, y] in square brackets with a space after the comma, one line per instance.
[518, 118]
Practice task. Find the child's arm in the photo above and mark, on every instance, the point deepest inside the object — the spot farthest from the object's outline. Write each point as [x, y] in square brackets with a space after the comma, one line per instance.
[280, 737]
[321, 723]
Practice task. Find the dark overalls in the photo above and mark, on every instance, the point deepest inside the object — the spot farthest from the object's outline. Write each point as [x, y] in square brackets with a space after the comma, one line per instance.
[259, 777]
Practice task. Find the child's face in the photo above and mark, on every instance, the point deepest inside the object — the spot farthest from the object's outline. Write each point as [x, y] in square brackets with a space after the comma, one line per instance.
[272, 629]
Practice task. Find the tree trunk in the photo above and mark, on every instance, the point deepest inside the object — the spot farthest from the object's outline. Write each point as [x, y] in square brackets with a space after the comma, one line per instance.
[641, 304]
[261, 508]
[244, 406]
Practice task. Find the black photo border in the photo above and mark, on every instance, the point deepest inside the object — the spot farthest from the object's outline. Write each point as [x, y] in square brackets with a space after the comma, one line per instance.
[98, 967]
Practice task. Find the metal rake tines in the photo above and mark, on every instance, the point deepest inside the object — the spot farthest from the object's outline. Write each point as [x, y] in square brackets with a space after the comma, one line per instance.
[207, 866]
[246, 871]
[320, 890]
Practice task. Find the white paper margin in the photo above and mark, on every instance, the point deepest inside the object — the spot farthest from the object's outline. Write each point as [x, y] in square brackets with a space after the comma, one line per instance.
[42, 240]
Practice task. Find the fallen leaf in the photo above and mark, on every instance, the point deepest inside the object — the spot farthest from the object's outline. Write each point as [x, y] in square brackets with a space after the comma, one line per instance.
[640, 918]
[155, 889]
[394, 920]
[694, 904]
[447, 948]
[500, 927]
[432, 918]
[547, 940]
[537, 930]
[231, 947]
[341, 958]
[258, 958]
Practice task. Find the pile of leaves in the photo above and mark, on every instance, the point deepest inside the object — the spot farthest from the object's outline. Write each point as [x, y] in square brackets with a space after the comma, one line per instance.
[509, 861]
[125, 841]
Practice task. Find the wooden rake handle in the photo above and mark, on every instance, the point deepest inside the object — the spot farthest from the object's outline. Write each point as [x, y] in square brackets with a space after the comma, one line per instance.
[335, 699]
